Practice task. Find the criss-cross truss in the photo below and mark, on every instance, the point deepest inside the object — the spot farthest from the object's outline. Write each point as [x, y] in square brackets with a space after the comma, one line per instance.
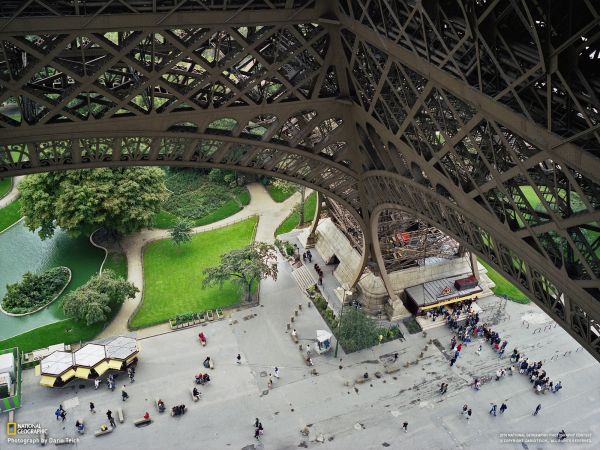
[477, 118]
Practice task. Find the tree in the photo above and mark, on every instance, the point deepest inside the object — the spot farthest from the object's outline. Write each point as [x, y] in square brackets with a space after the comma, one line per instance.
[248, 265]
[181, 232]
[356, 330]
[93, 302]
[299, 207]
[122, 200]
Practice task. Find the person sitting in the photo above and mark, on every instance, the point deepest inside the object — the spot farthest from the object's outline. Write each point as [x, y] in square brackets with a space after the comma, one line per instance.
[195, 393]
[206, 362]
[202, 337]
[103, 427]
[79, 426]
[175, 410]
[199, 378]
[147, 416]
[205, 378]
[161, 405]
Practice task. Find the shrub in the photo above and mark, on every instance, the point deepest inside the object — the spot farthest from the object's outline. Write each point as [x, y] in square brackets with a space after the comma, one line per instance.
[357, 330]
[34, 290]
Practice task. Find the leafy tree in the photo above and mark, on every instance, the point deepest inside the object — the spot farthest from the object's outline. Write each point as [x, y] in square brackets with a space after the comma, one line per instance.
[248, 265]
[122, 200]
[181, 232]
[356, 330]
[299, 207]
[94, 301]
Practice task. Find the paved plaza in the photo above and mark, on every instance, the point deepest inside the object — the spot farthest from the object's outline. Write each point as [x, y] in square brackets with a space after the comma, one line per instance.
[345, 416]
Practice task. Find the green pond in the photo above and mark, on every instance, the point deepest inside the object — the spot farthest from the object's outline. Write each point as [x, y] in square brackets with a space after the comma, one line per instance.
[23, 251]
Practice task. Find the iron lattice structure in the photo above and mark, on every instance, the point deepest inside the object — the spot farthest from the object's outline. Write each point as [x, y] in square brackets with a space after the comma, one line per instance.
[479, 118]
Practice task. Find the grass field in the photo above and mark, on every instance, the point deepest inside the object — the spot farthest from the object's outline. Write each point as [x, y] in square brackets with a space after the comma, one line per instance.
[5, 185]
[10, 214]
[117, 262]
[504, 287]
[291, 221]
[279, 195]
[173, 276]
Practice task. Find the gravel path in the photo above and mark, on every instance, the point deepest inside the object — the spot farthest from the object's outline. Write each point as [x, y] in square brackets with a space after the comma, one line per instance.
[270, 213]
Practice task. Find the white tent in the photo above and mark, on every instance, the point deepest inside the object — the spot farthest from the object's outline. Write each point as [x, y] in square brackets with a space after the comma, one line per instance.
[323, 341]
[323, 335]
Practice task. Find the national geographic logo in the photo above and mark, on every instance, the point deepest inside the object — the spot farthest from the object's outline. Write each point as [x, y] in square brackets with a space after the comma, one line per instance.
[14, 428]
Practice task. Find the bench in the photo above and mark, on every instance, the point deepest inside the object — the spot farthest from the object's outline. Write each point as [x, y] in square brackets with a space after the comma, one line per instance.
[294, 338]
[210, 315]
[195, 397]
[392, 368]
[141, 422]
[220, 314]
[362, 379]
[211, 364]
[202, 317]
[103, 432]
[120, 415]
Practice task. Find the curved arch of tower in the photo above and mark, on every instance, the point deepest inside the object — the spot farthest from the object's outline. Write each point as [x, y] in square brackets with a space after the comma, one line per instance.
[478, 120]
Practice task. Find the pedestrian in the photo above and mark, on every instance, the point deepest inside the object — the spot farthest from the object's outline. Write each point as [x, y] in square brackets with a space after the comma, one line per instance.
[130, 373]
[405, 426]
[276, 372]
[445, 388]
[92, 408]
[309, 256]
[239, 357]
[320, 280]
[503, 407]
[63, 415]
[304, 257]
[270, 383]
[464, 409]
[256, 422]
[479, 350]
[442, 388]
[537, 409]
[452, 361]
[256, 433]
[58, 412]
[498, 374]
[493, 410]
[561, 435]
[469, 412]
[501, 353]
[124, 394]
[97, 382]
[261, 430]
[308, 350]
[395, 356]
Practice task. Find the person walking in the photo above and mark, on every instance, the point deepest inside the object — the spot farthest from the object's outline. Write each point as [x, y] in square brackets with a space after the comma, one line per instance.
[464, 409]
[257, 433]
[256, 422]
[503, 408]
[452, 361]
[395, 356]
[97, 382]
[309, 256]
[469, 412]
[405, 426]
[493, 410]
[63, 414]
[445, 388]
[270, 383]
[58, 412]
[238, 359]
[92, 408]
[130, 374]
[124, 394]
[111, 419]
[276, 372]
[537, 409]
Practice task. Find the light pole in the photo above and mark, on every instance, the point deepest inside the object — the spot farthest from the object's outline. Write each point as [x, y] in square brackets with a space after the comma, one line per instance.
[347, 292]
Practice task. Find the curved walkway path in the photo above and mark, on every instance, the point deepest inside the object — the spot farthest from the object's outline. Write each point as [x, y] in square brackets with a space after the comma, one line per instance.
[270, 214]
[12, 194]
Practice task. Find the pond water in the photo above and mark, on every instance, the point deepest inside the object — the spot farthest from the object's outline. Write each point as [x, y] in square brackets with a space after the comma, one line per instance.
[23, 251]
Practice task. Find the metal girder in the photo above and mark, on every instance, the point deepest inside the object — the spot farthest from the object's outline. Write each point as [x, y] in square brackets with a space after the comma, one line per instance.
[479, 119]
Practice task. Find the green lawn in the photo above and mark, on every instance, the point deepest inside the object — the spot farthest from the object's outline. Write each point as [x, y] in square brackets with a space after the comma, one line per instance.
[117, 262]
[5, 185]
[68, 331]
[10, 214]
[173, 276]
[291, 222]
[503, 286]
[279, 195]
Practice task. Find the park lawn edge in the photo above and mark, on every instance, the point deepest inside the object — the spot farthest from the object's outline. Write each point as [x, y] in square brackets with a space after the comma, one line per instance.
[135, 323]
[10, 214]
[279, 195]
[292, 221]
[504, 288]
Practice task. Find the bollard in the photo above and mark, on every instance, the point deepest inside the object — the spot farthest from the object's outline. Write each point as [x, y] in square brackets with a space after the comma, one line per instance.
[300, 347]
[288, 326]
[300, 307]
[309, 304]
[292, 319]
[421, 355]
[296, 313]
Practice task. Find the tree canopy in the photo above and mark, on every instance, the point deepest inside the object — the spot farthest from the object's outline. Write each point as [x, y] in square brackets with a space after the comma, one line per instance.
[356, 330]
[181, 232]
[247, 265]
[93, 302]
[123, 200]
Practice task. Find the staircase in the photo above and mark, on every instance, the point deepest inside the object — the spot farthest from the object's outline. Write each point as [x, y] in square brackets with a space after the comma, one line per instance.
[304, 278]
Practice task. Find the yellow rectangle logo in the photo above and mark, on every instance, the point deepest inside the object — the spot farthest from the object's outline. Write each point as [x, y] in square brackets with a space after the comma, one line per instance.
[11, 429]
